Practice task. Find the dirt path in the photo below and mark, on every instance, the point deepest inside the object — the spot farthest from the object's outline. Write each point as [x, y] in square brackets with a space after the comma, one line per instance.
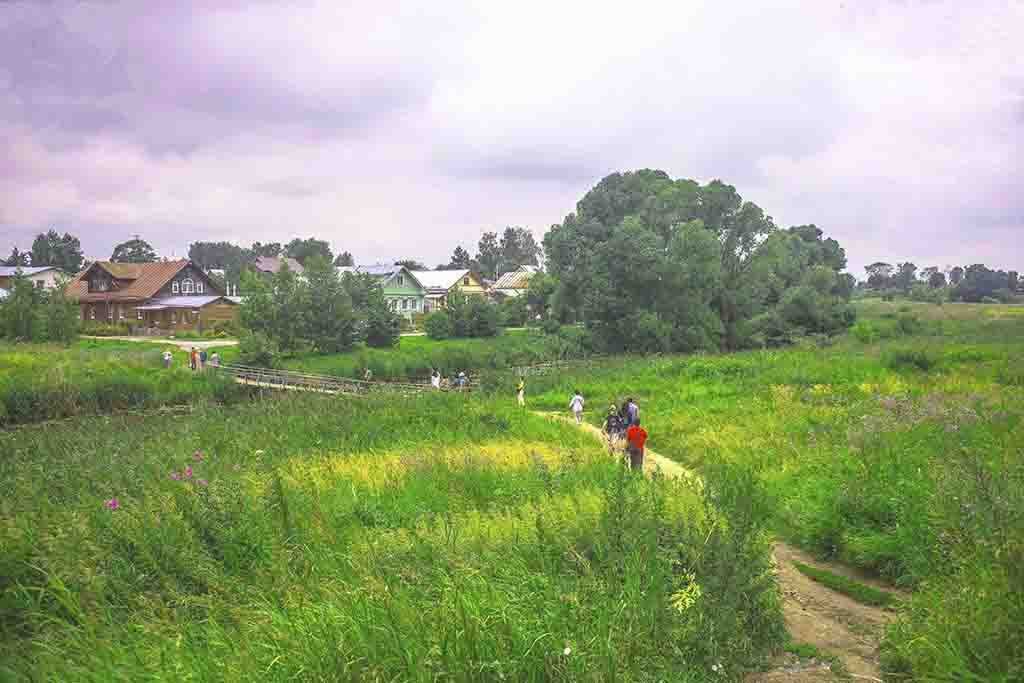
[814, 614]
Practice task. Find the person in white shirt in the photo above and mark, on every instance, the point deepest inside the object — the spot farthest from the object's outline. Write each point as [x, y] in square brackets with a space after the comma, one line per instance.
[435, 379]
[167, 359]
[576, 405]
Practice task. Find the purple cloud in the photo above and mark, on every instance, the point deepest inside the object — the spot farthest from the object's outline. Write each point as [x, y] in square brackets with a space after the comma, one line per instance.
[394, 130]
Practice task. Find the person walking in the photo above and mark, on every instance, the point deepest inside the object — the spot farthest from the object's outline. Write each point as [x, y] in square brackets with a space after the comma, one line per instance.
[461, 381]
[367, 375]
[215, 359]
[576, 405]
[435, 379]
[636, 437]
[612, 427]
[193, 358]
[632, 411]
[521, 391]
[202, 358]
[167, 358]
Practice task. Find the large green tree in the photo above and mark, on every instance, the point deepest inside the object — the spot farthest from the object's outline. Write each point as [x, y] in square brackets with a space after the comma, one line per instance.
[332, 325]
[488, 255]
[518, 247]
[231, 258]
[61, 251]
[135, 250]
[303, 250]
[652, 263]
[345, 259]
[18, 258]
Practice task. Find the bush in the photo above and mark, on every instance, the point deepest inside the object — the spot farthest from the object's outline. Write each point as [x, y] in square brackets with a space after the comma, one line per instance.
[550, 326]
[899, 359]
[908, 323]
[256, 348]
[864, 332]
[97, 329]
[438, 325]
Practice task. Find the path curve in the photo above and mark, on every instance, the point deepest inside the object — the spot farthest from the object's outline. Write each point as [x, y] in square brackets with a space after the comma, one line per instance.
[813, 613]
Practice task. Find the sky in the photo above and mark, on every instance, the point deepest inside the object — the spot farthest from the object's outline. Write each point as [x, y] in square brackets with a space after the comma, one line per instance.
[403, 129]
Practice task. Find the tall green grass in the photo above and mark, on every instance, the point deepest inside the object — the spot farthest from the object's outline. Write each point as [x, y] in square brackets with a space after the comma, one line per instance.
[435, 538]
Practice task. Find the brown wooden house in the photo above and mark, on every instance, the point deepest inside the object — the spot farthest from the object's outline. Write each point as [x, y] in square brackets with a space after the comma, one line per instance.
[166, 296]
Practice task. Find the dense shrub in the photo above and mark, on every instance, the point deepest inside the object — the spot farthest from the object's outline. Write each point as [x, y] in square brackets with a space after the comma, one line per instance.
[909, 358]
[438, 325]
[256, 348]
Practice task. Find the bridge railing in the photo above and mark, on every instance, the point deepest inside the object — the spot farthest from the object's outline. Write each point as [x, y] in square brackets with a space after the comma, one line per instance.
[327, 383]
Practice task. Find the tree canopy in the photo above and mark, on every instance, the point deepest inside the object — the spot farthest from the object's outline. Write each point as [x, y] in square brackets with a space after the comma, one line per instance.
[135, 250]
[61, 251]
[651, 263]
[303, 250]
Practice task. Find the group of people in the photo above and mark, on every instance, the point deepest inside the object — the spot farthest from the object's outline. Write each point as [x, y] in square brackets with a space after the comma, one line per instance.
[197, 359]
[442, 383]
[621, 428]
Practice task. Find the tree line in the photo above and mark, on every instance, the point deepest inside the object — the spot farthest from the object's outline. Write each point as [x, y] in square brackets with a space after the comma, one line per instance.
[322, 311]
[976, 283]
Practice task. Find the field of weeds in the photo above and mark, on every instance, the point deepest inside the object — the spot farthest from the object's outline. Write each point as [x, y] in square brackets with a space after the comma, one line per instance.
[902, 455]
[45, 382]
[433, 538]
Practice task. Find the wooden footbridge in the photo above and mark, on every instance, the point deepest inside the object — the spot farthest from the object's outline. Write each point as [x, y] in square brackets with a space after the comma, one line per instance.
[324, 384]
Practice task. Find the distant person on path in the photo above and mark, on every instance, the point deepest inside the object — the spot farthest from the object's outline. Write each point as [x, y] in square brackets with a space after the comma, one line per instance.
[576, 405]
[215, 359]
[612, 427]
[636, 437]
[435, 379]
[521, 391]
[193, 358]
[202, 358]
[167, 358]
[367, 375]
[446, 384]
[632, 411]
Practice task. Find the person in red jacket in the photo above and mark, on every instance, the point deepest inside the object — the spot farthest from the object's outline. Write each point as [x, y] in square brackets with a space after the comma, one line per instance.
[636, 437]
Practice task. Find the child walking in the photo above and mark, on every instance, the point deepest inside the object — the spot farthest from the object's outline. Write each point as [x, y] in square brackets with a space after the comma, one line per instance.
[576, 405]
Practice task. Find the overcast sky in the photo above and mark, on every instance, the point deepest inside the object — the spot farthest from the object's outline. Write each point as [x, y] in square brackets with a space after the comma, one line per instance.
[396, 130]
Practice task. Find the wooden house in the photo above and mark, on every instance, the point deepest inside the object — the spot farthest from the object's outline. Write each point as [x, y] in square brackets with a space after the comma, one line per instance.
[166, 296]
[440, 283]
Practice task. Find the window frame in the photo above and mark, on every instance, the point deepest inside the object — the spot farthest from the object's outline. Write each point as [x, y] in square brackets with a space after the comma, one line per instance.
[187, 286]
[199, 286]
[175, 289]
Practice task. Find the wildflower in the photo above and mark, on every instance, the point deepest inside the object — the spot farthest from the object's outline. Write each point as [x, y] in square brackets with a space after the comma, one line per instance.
[197, 456]
[567, 651]
[237, 467]
[175, 476]
[113, 504]
[188, 472]
[202, 482]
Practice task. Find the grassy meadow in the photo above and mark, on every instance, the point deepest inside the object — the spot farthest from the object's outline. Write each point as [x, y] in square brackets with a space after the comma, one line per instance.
[903, 456]
[43, 382]
[306, 537]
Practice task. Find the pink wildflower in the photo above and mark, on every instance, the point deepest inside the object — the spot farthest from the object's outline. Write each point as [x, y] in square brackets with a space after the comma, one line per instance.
[202, 482]
[188, 472]
[197, 456]
[113, 504]
[175, 476]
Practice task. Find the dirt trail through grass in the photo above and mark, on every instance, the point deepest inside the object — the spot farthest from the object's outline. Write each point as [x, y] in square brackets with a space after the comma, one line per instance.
[816, 615]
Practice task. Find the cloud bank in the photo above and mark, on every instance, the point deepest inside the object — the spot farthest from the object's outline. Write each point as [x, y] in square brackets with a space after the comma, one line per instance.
[393, 130]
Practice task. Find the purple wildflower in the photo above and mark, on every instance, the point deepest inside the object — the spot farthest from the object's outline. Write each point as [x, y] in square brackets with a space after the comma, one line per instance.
[175, 476]
[202, 482]
[188, 472]
[113, 504]
[197, 456]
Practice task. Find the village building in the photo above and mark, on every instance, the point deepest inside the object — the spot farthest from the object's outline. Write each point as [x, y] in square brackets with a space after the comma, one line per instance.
[161, 297]
[513, 283]
[43, 277]
[402, 290]
[440, 283]
[267, 266]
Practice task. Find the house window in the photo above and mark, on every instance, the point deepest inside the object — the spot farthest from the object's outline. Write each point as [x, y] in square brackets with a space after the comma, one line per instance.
[138, 315]
[195, 315]
[400, 280]
[174, 317]
[199, 287]
[174, 287]
[92, 313]
[110, 312]
[40, 284]
[465, 282]
[186, 286]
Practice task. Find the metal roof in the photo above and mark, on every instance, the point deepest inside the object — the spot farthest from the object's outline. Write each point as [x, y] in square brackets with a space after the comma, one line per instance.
[516, 279]
[180, 302]
[439, 279]
[11, 271]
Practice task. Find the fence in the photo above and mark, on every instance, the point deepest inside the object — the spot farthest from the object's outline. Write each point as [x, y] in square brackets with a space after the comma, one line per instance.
[286, 379]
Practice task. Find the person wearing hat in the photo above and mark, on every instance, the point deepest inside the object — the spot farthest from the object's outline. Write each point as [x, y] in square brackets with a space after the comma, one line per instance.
[612, 427]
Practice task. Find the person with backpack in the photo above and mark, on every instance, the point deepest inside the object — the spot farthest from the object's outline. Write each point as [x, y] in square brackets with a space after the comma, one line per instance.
[576, 405]
[202, 358]
[612, 427]
[521, 391]
[636, 437]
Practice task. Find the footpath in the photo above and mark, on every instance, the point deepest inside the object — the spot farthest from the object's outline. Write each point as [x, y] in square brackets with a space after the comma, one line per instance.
[814, 614]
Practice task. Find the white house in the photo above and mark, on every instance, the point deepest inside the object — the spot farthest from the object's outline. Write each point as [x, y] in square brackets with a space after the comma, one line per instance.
[43, 277]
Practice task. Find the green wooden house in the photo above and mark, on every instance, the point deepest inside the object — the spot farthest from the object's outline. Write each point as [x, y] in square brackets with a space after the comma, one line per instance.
[401, 288]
